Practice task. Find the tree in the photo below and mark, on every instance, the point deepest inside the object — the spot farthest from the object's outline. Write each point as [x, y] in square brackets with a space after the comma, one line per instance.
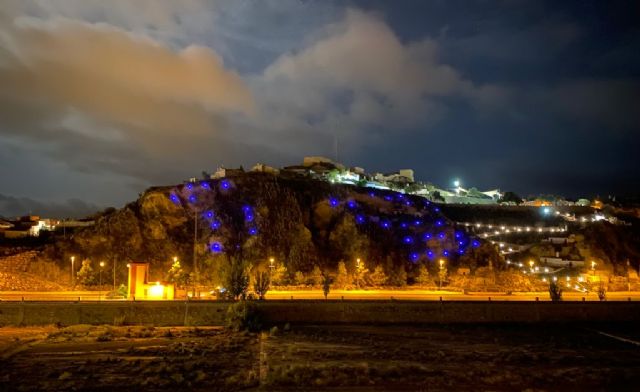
[86, 275]
[377, 277]
[397, 277]
[510, 197]
[442, 276]
[423, 278]
[555, 291]
[342, 278]
[178, 275]
[261, 285]
[278, 275]
[436, 196]
[299, 278]
[326, 284]
[316, 277]
[237, 281]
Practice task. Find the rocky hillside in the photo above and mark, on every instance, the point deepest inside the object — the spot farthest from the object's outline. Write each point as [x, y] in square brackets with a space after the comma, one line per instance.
[301, 223]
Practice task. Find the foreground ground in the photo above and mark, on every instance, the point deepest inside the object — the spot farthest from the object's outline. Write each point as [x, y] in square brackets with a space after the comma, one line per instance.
[455, 357]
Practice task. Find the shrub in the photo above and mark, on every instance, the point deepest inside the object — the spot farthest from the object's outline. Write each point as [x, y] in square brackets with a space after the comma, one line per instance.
[555, 291]
[602, 292]
[326, 284]
[244, 316]
[237, 280]
[261, 285]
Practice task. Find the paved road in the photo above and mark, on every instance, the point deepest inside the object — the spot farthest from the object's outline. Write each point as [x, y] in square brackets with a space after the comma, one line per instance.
[446, 295]
[423, 295]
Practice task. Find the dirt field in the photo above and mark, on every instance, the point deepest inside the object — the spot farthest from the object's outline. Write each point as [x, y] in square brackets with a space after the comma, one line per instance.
[345, 358]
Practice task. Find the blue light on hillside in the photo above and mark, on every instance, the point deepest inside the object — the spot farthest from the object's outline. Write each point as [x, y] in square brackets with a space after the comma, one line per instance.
[458, 234]
[189, 186]
[360, 219]
[414, 257]
[475, 243]
[174, 199]
[408, 203]
[248, 217]
[461, 251]
[441, 236]
[216, 247]
[461, 243]
[436, 209]
[352, 204]
[192, 199]
[426, 236]
[439, 223]
[388, 198]
[209, 214]
[333, 202]
[204, 184]
[407, 240]
[445, 253]
[417, 222]
[385, 224]
[225, 184]
[371, 194]
[246, 209]
[253, 231]
[430, 254]
[215, 225]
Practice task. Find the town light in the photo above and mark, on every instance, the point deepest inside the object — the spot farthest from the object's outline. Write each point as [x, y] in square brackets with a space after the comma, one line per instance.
[271, 262]
[175, 259]
[593, 265]
[73, 259]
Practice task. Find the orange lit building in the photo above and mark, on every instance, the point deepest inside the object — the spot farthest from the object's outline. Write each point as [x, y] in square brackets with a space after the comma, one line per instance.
[139, 287]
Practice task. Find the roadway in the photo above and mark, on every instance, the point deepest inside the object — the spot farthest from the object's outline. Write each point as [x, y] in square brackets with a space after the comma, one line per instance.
[417, 295]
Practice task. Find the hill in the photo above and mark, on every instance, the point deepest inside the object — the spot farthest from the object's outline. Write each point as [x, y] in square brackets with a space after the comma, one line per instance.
[300, 223]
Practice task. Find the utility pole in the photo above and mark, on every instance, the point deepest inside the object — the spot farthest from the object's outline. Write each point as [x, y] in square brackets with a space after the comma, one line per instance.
[195, 246]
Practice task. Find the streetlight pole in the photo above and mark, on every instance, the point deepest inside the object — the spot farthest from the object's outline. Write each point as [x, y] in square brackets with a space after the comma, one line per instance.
[73, 282]
[195, 247]
[358, 269]
[100, 280]
[440, 274]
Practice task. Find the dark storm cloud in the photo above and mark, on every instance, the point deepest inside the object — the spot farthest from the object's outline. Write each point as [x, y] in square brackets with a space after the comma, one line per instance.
[18, 206]
[502, 94]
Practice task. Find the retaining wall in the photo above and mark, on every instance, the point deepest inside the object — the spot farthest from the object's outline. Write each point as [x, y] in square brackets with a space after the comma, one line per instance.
[194, 313]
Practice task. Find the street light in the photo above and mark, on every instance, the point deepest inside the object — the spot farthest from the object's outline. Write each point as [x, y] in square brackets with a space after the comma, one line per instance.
[100, 280]
[73, 259]
[272, 263]
[358, 270]
[101, 267]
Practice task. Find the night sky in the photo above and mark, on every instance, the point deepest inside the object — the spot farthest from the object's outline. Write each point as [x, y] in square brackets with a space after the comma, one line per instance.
[101, 99]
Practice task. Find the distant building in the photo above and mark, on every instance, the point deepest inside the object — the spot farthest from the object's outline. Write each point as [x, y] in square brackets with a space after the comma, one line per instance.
[403, 176]
[262, 168]
[310, 161]
[223, 172]
[560, 262]
[139, 287]
[26, 226]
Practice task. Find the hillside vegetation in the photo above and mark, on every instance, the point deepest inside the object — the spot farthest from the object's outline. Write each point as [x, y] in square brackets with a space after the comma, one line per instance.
[306, 226]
